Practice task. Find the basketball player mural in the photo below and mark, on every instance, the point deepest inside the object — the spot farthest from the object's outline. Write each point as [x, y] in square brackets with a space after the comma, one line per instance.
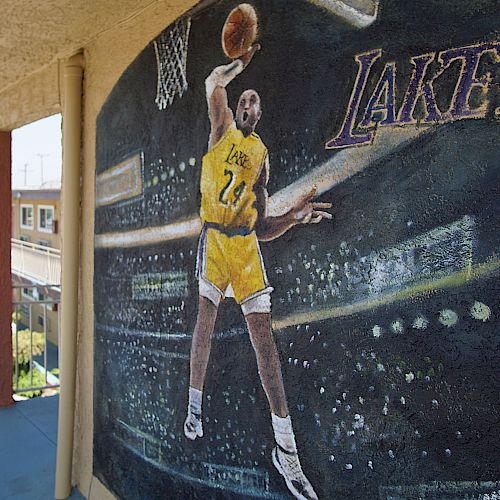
[234, 178]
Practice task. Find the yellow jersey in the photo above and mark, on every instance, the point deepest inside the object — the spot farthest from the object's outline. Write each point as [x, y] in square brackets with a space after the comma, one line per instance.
[228, 174]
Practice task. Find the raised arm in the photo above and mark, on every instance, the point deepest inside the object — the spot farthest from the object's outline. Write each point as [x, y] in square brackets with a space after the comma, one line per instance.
[219, 113]
[304, 211]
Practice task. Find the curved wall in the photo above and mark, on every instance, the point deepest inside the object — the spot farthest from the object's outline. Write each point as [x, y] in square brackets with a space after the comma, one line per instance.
[384, 317]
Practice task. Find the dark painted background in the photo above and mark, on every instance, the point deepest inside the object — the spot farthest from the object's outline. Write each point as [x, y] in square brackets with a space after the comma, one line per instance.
[364, 426]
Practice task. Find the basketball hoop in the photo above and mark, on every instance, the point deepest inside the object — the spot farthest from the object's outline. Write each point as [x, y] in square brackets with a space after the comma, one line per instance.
[171, 49]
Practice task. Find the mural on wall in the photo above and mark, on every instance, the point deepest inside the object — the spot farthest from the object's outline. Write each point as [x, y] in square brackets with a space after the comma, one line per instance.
[296, 255]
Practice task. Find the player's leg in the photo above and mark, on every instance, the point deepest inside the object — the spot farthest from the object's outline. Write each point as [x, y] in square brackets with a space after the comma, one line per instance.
[211, 281]
[201, 342]
[284, 455]
[252, 291]
[200, 353]
[268, 363]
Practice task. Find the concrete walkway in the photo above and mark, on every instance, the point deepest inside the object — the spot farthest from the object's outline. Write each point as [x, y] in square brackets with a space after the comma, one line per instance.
[28, 436]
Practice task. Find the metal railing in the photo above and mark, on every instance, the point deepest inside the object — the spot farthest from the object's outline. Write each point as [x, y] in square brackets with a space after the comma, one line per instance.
[36, 262]
[23, 309]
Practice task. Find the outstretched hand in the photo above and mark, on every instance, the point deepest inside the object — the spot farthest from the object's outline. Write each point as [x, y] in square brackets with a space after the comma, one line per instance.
[247, 57]
[306, 211]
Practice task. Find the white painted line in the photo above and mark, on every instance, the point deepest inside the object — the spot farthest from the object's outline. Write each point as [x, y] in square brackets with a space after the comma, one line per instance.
[352, 15]
[189, 228]
[457, 279]
[343, 165]
[336, 170]
[120, 182]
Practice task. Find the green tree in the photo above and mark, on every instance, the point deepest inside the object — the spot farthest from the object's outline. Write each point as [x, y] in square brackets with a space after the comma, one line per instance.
[21, 357]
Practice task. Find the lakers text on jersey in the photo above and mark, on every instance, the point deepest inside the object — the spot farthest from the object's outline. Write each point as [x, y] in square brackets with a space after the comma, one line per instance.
[229, 172]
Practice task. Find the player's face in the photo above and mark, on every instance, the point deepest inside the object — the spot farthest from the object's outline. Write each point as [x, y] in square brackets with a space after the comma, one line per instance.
[248, 111]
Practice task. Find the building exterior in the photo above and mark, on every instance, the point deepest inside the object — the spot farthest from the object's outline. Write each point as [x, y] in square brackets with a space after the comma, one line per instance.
[35, 216]
[36, 257]
[385, 320]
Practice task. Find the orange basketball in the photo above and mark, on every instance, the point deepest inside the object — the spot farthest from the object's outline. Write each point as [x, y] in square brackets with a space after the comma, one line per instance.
[239, 31]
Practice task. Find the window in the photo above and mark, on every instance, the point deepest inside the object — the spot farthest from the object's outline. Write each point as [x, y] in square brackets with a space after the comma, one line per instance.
[43, 243]
[28, 292]
[27, 216]
[45, 217]
[24, 238]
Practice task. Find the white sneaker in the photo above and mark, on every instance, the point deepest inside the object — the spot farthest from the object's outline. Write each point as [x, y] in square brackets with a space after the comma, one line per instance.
[193, 427]
[288, 466]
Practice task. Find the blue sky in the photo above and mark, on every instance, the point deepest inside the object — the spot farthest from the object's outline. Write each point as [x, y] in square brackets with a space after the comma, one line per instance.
[28, 143]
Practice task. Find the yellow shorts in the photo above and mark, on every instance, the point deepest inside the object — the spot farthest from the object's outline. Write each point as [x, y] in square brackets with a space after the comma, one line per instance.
[232, 262]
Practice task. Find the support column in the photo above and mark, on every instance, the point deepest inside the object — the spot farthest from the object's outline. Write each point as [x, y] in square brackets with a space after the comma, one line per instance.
[70, 253]
[5, 273]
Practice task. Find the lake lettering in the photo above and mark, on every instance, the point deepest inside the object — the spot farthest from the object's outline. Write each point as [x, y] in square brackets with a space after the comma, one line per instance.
[359, 126]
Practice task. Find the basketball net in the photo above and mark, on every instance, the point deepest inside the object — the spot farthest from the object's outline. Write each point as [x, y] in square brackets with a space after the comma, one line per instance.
[171, 49]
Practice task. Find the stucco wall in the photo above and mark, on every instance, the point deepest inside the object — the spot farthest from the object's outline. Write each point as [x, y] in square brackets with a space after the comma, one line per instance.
[37, 36]
[34, 97]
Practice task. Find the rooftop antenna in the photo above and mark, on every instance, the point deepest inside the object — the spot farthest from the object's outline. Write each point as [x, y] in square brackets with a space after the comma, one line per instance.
[25, 170]
[42, 156]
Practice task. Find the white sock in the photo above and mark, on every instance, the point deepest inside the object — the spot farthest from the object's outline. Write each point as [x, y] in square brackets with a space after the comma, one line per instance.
[283, 433]
[194, 405]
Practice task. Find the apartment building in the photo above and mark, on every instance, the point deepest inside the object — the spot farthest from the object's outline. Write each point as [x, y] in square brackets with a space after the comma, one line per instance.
[35, 216]
[36, 258]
